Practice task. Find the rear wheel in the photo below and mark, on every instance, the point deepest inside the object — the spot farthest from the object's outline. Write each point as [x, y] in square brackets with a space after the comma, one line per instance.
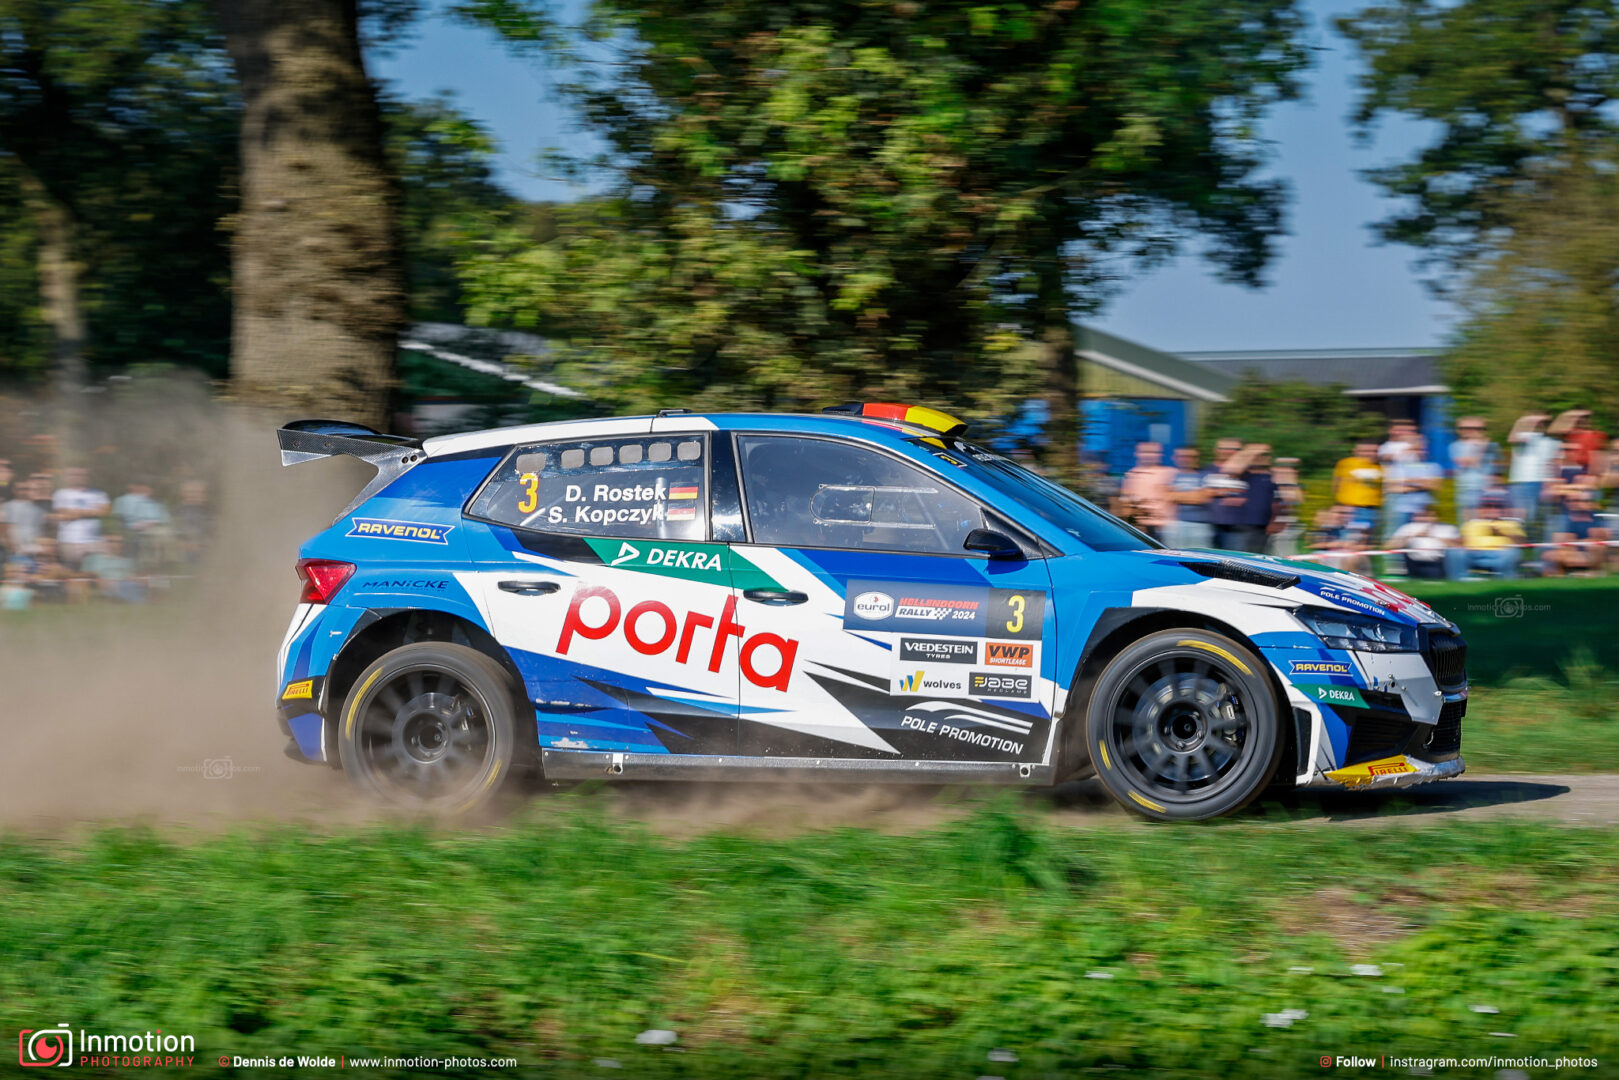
[1183, 725]
[431, 726]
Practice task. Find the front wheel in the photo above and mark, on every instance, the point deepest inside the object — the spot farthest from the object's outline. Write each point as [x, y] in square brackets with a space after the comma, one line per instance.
[1183, 726]
[430, 726]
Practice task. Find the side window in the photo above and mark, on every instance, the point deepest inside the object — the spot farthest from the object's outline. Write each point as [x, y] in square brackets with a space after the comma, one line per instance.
[651, 487]
[817, 493]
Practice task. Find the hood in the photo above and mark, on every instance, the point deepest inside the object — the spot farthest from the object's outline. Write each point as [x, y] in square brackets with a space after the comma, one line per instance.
[1353, 592]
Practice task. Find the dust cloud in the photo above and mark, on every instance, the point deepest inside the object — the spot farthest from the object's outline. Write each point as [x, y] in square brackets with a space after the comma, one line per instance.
[113, 710]
[165, 712]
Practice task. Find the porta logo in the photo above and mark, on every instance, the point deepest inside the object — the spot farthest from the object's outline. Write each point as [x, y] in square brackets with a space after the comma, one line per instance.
[384, 529]
[872, 606]
[44, 1047]
[651, 628]
[1320, 667]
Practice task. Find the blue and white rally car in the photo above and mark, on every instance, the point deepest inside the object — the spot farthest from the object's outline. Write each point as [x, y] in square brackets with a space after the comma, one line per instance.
[859, 595]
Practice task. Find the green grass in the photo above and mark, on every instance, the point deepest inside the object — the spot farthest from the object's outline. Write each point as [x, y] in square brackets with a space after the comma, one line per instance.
[557, 940]
[1531, 627]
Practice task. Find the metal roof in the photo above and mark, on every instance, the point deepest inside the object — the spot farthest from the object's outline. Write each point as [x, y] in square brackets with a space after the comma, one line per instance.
[1362, 372]
[1173, 373]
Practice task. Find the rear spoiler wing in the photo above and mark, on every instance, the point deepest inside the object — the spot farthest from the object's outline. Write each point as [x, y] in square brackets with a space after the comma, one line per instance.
[311, 440]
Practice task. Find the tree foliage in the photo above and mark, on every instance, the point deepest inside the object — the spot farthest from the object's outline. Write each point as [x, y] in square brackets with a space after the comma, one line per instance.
[1513, 201]
[117, 121]
[1316, 424]
[820, 200]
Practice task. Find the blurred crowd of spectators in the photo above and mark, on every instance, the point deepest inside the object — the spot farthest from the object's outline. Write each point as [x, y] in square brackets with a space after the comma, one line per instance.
[1536, 503]
[65, 540]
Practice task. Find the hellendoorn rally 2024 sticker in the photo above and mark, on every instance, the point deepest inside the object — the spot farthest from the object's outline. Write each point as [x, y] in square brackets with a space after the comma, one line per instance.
[951, 610]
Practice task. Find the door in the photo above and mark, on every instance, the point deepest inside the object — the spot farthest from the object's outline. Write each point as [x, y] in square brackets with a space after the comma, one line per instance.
[900, 643]
[607, 592]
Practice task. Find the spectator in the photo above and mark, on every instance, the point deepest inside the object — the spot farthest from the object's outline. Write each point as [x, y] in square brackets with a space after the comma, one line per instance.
[1144, 497]
[1574, 426]
[1226, 507]
[1285, 530]
[1257, 505]
[1489, 539]
[23, 518]
[1581, 542]
[112, 572]
[1357, 484]
[1428, 542]
[1338, 539]
[1394, 448]
[1191, 494]
[145, 521]
[79, 510]
[1533, 452]
[193, 520]
[15, 593]
[1409, 483]
[1473, 457]
[52, 582]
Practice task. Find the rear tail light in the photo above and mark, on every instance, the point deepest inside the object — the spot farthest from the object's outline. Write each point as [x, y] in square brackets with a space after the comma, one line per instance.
[322, 578]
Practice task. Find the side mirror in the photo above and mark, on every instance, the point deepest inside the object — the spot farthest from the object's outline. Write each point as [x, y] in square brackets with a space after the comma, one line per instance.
[997, 545]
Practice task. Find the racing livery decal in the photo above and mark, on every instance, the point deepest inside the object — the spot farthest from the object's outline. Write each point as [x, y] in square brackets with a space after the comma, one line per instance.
[382, 528]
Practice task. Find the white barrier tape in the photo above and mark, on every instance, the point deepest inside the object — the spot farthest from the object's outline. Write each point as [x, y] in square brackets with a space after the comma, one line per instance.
[1309, 555]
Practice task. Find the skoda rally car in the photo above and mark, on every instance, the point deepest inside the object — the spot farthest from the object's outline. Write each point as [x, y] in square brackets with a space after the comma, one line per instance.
[858, 595]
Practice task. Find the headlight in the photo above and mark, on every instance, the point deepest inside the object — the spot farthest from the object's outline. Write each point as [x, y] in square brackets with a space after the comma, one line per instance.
[1346, 630]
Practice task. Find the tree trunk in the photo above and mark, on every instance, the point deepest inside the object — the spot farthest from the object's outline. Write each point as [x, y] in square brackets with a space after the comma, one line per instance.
[318, 279]
[1060, 363]
[62, 308]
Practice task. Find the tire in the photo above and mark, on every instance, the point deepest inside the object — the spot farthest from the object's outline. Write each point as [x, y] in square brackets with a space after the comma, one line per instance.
[432, 727]
[1183, 725]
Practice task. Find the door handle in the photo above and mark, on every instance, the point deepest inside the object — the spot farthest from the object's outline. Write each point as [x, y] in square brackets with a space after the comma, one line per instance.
[778, 597]
[530, 588]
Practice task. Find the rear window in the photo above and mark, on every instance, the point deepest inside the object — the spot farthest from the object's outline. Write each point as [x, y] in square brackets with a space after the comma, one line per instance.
[651, 487]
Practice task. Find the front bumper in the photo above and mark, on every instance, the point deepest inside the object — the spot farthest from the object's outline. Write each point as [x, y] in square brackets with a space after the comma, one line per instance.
[1391, 772]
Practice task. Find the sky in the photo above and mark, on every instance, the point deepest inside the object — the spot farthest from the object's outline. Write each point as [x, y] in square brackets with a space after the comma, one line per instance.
[1332, 285]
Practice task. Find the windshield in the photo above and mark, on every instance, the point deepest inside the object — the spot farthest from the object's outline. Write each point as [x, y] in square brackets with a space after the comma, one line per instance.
[1083, 520]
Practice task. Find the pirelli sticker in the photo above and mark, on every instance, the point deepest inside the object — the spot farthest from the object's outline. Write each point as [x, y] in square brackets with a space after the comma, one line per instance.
[1368, 771]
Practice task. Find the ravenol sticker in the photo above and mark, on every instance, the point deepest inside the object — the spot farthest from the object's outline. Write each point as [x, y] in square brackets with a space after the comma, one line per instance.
[384, 529]
[1333, 695]
[1320, 667]
[304, 688]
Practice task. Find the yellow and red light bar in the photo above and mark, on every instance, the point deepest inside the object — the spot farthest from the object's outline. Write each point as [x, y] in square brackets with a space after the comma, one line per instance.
[916, 415]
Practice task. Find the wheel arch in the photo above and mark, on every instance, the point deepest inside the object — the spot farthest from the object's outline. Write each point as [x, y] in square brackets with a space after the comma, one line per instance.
[382, 630]
[1115, 630]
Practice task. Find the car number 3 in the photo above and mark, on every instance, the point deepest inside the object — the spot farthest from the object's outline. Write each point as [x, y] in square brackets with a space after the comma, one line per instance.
[1014, 625]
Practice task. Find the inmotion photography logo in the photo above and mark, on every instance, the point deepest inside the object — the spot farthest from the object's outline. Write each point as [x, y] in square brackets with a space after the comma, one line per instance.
[44, 1047]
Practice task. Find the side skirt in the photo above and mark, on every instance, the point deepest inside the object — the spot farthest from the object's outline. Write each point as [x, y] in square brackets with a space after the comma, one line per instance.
[590, 764]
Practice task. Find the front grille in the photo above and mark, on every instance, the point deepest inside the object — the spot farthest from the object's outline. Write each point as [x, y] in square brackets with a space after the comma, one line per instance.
[1447, 734]
[1446, 657]
[1374, 736]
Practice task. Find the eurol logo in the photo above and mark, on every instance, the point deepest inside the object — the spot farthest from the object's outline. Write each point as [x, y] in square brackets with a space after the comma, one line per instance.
[652, 628]
[873, 606]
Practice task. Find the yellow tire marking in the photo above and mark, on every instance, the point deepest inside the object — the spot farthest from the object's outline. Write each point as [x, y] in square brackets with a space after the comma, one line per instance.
[348, 726]
[1217, 651]
[1148, 803]
[1105, 762]
[487, 784]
